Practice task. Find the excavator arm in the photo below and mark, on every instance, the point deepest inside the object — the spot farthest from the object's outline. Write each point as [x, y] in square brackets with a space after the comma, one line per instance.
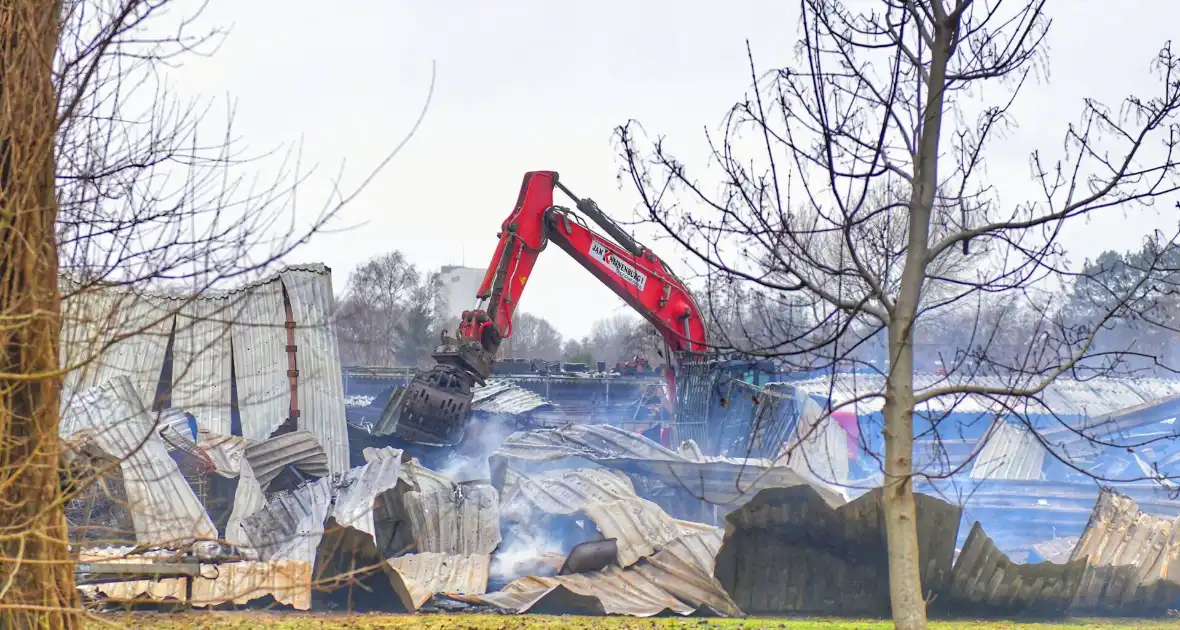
[433, 408]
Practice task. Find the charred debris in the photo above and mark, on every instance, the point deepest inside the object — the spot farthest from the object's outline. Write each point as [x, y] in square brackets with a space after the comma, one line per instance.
[270, 478]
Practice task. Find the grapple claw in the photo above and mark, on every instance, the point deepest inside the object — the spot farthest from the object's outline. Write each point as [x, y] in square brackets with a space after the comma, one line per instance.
[432, 408]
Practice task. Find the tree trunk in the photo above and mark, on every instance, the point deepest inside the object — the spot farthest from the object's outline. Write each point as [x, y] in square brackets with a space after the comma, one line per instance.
[901, 526]
[36, 575]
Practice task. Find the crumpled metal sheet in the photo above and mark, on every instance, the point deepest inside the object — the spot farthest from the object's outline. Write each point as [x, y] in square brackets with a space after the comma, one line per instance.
[301, 449]
[505, 397]
[985, 581]
[418, 577]
[1010, 452]
[678, 579]
[639, 526]
[224, 451]
[1132, 559]
[445, 517]
[164, 509]
[248, 499]
[788, 551]
[291, 524]
[723, 481]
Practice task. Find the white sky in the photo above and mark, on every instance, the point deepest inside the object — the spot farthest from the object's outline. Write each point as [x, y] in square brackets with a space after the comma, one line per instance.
[530, 85]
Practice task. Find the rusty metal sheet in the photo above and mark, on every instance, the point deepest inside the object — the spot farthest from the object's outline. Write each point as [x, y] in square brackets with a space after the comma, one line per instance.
[164, 508]
[723, 481]
[1132, 559]
[418, 577]
[789, 551]
[985, 582]
[288, 583]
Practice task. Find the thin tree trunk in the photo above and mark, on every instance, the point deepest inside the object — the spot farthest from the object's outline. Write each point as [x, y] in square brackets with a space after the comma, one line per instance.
[36, 576]
[905, 582]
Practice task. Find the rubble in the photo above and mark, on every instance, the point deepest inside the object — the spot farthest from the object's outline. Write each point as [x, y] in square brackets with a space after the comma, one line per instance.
[563, 527]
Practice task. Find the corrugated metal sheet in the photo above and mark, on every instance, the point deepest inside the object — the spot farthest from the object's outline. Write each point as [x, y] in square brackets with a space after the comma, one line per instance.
[788, 551]
[260, 361]
[248, 499]
[1093, 397]
[291, 524]
[320, 384]
[201, 361]
[1009, 452]
[288, 583]
[985, 581]
[444, 517]
[723, 481]
[505, 397]
[298, 448]
[1057, 550]
[1132, 558]
[678, 579]
[225, 451]
[117, 332]
[614, 591]
[163, 507]
[416, 578]
[639, 526]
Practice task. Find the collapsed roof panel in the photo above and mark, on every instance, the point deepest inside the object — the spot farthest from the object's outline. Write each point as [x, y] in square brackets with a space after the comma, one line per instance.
[445, 517]
[416, 578]
[723, 481]
[163, 507]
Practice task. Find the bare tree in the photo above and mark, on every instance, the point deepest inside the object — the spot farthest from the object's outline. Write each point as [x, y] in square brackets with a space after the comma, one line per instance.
[390, 313]
[533, 337]
[36, 580]
[885, 98]
[152, 196]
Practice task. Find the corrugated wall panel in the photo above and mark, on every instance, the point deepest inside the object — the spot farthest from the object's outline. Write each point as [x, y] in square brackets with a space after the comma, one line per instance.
[201, 361]
[320, 384]
[260, 361]
[163, 506]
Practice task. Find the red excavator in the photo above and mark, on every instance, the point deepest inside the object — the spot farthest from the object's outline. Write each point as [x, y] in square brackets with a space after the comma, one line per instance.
[433, 408]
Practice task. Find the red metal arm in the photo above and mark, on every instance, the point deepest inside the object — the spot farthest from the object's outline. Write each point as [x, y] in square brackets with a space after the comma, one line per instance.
[633, 272]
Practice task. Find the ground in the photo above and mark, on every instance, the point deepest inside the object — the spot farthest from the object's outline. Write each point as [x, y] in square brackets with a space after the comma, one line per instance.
[297, 621]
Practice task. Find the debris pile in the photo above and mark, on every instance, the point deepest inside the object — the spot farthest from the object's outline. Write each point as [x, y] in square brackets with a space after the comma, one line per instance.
[586, 519]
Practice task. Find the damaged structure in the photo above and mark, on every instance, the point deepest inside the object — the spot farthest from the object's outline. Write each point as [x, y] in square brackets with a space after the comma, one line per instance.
[239, 479]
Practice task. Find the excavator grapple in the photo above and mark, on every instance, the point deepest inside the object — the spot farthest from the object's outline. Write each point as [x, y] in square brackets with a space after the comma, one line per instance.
[434, 406]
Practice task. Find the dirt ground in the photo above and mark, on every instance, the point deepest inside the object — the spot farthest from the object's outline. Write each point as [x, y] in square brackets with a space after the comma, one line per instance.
[302, 621]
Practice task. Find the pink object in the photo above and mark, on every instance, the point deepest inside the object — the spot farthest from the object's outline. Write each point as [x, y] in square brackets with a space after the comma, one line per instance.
[848, 421]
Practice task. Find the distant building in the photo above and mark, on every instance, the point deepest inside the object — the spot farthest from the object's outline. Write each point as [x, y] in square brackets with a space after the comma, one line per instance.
[460, 285]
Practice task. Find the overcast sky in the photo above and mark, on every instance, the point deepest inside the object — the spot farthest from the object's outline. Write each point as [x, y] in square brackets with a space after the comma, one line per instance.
[529, 85]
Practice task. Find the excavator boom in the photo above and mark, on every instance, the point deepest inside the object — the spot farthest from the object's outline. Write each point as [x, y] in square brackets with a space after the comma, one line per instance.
[433, 408]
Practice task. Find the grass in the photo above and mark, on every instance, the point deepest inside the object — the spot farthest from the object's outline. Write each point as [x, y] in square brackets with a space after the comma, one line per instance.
[305, 621]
